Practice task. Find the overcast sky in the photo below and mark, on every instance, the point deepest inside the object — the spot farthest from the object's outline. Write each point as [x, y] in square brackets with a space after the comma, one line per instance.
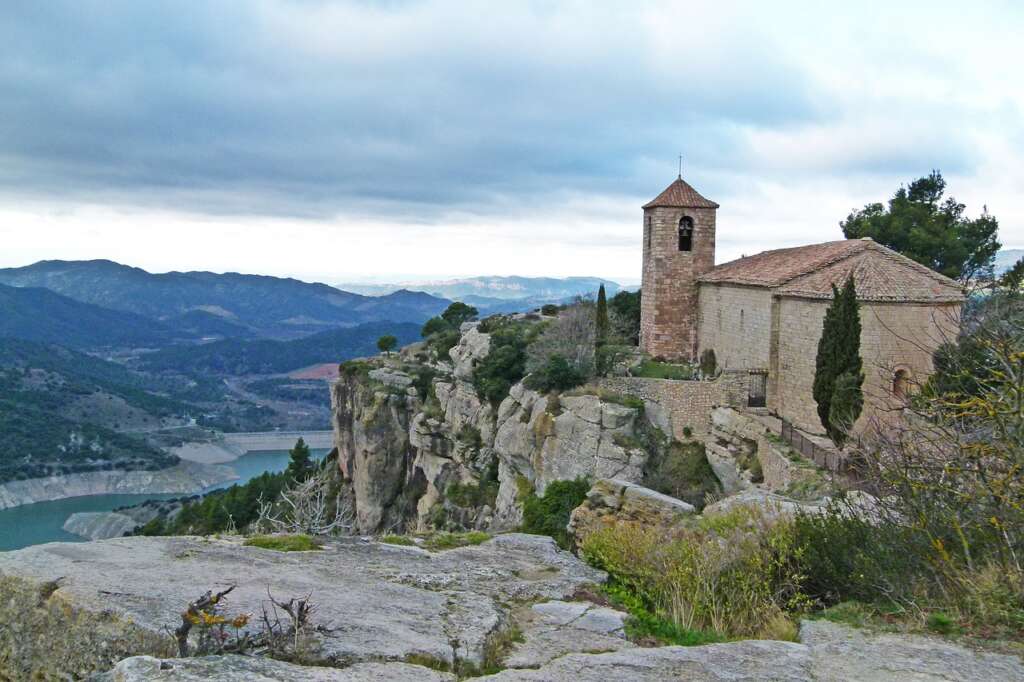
[347, 141]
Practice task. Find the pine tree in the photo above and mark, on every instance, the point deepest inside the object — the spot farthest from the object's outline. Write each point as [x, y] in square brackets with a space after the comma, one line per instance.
[601, 323]
[301, 465]
[838, 375]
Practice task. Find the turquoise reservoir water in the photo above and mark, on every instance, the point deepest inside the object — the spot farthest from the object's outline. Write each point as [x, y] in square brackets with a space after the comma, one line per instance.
[32, 524]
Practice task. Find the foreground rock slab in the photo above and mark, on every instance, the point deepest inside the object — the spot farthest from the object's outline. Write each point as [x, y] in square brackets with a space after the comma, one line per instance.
[843, 653]
[735, 662]
[555, 628]
[78, 608]
[251, 669]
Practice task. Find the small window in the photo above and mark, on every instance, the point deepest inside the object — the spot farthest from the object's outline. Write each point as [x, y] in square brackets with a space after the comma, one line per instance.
[647, 232]
[901, 383]
[686, 233]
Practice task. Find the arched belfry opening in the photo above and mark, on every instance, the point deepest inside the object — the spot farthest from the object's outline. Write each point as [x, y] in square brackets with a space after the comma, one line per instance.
[686, 233]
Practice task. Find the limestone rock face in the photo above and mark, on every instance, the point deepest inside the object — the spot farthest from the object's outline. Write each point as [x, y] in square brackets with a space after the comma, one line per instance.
[99, 525]
[610, 501]
[233, 668]
[472, 347]
[371, 429]
[374, 602]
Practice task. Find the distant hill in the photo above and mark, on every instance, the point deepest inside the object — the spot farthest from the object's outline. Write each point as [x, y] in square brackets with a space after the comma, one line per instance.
[203, 325]
[239, 357]
[272, 306]
[61, 412]
[41, 315]
[489, 291]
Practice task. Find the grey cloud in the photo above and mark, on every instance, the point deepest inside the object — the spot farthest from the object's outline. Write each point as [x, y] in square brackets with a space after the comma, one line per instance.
[415, 109]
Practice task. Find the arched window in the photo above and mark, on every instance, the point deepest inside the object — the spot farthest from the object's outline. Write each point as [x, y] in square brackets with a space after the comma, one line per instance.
[901, 383]
[686, 233]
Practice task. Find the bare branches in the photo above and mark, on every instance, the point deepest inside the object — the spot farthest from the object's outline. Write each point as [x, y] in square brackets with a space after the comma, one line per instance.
[308, 507]
[202, 612]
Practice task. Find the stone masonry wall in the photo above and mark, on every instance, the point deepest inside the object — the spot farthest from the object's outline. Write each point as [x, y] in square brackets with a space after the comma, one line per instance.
[668, 315]
[683, 403]
[893, 336]
[736, 321]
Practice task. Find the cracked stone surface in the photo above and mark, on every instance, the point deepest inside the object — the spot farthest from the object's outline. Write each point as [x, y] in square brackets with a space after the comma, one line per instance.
[374, 601]
[557, 628]
[251, 669]
[843, 653]
[736, 662]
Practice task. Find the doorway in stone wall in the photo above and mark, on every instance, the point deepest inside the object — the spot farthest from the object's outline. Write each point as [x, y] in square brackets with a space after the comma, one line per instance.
[757, 388]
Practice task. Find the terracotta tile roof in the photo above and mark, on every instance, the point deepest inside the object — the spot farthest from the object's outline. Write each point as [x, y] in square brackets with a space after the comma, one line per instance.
[680, 195]
[880, 273]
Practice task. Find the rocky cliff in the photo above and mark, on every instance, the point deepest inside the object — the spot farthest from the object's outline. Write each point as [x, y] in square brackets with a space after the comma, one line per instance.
[420, 447]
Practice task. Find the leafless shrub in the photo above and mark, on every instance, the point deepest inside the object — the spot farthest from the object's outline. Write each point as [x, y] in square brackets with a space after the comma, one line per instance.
[287, 640]
[572, 335]
[308, 507]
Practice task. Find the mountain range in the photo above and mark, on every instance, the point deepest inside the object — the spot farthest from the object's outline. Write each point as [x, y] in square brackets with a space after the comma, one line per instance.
[494, 293]
[268, 306]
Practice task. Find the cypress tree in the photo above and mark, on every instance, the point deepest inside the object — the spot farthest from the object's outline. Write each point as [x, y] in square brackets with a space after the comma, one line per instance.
[838, 375]
[301, 465]
[601, 323]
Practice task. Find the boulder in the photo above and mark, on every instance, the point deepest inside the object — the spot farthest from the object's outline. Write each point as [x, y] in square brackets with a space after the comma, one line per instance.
[610, 501]
[76, 608]
[768, 502]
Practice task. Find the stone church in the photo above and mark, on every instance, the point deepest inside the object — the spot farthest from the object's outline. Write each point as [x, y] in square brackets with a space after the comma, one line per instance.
[764, 313]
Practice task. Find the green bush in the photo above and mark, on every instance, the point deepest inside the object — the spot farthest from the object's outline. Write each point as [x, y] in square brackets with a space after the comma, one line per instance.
[683, 472]
[550, 310]
[284, 543]
[736, 574]
[556, 375]
[442, 541]
[652, 369]
[392, 539]
[549, 514]
[849, 558]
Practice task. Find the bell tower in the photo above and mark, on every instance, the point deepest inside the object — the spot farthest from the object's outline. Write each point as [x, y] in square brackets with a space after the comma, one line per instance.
[679, 247]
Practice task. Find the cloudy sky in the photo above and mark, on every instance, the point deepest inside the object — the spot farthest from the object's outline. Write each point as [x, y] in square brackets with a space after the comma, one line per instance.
[339, 141]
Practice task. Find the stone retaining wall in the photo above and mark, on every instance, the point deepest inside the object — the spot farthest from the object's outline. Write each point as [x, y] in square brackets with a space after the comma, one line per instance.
[684, 403]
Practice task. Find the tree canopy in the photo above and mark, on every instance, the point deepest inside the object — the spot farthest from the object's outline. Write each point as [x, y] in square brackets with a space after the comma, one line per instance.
[919, 224]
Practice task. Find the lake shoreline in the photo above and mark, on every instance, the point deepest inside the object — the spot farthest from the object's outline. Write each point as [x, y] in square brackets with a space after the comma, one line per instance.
[183, 478]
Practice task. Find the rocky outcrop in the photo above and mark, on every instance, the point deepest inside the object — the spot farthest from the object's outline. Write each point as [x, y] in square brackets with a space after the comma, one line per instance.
[371, 425]
[70, 609]
[183, 478]
[402, 453]
[612, 501]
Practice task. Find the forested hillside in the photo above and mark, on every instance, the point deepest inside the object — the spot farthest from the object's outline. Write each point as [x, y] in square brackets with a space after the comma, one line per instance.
[42, 315]
[238, 357]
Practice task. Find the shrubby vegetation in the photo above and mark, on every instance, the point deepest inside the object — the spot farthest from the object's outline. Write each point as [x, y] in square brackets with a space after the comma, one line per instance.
[733, 574]
[238, 506]
[505, 364]
[442, 332]
[548, 514]
[682, 471]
